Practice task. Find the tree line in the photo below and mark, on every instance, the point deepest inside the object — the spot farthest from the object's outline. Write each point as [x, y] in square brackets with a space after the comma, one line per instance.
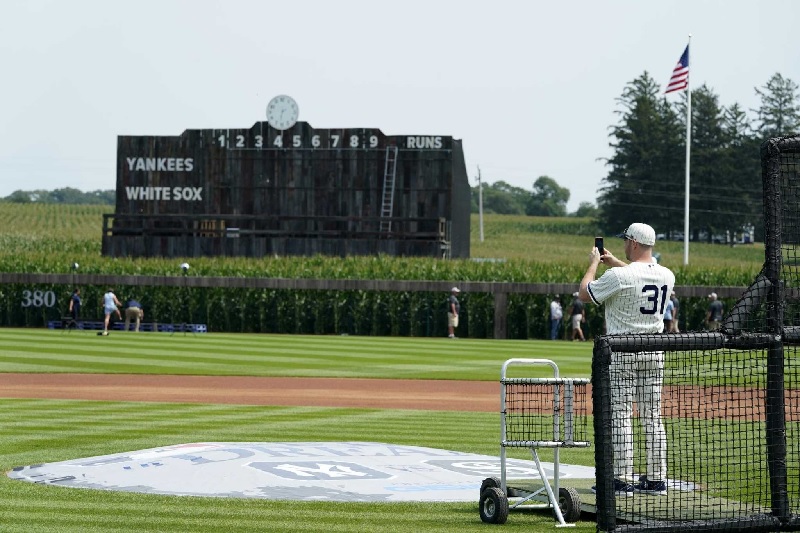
[547, 199]
[646, 177]
[67, 195]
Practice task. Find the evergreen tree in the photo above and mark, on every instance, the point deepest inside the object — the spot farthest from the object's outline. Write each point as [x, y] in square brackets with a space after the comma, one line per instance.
[710, 200]
[646, 168]
[741, 153]
[736, 124]
[646, 178]
[779, 113]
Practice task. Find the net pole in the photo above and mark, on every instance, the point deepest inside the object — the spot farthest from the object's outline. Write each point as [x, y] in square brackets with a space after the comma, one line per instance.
[775, 402]
[603, 450]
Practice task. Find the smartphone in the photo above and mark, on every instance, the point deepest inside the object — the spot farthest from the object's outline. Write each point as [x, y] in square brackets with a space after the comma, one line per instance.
[598, 243]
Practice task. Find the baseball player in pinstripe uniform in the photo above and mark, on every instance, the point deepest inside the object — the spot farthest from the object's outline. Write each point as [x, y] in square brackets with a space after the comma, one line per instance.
[635, 296]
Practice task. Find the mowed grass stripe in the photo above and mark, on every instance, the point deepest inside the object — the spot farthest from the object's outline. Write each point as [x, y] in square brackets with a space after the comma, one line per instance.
[134, 425]
[157, 515]
[327, 343]
[467, 348]
[291, 345]
[397, 346]
[249, 516]
[80, 422]
[279, 355]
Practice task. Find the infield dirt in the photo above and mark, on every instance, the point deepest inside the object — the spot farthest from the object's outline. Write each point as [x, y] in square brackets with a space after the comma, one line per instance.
[441, 395]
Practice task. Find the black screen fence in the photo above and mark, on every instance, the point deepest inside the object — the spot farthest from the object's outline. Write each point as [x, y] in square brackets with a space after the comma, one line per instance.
[719, 409]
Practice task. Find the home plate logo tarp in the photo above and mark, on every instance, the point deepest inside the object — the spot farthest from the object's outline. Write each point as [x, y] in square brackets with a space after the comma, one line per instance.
[324, 471]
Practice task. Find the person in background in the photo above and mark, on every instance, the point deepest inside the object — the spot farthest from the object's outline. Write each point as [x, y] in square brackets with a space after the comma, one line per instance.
[676, 304]
[556, 314]
[453, 308]
[577, 317]
[74, 308]
[714, 314]
[133, 312]
[110, 306]
[669, 309]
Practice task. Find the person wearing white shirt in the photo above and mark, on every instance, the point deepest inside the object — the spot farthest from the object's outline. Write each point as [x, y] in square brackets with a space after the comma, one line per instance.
[110, 305]
[556, 314]
[635, 297]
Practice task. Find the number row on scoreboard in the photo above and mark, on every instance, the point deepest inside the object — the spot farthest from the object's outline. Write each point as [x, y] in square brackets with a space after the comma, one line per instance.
[285, 140]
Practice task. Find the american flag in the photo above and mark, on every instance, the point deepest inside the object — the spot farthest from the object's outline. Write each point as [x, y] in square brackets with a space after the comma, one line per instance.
[680, 76]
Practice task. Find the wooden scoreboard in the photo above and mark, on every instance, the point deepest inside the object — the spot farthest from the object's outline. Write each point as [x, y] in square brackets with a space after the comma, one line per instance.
[282, 187]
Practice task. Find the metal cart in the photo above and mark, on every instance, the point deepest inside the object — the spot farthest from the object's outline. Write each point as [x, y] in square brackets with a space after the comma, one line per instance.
[537, 413]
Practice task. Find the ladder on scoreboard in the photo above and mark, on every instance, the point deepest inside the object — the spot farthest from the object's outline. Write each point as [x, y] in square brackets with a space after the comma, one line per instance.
[387, 198]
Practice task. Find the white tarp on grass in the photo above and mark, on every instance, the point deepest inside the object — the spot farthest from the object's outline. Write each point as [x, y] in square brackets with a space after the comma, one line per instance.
[325, 471]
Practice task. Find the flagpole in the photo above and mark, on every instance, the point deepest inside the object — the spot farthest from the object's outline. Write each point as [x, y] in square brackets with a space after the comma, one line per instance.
[688, 153]
[480, 203]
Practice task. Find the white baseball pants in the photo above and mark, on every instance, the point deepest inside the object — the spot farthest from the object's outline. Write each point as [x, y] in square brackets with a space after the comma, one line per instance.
[639, 377]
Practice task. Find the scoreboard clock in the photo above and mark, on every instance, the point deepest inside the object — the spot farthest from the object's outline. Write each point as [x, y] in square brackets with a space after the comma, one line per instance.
[282, 112]
[283, 187]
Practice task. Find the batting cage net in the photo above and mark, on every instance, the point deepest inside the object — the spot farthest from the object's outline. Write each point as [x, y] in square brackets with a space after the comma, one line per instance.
[699, 431]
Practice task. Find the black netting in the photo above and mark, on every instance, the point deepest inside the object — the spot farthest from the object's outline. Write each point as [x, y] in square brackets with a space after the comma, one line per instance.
[549, 412]
[788, 154]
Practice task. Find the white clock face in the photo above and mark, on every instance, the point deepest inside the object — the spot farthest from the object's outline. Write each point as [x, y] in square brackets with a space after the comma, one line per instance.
[282, 112]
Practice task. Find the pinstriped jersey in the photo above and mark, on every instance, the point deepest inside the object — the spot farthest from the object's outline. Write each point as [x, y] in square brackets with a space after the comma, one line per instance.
[635, 297]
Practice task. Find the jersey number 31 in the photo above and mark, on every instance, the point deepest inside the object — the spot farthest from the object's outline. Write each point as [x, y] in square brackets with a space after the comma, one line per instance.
[652, 292]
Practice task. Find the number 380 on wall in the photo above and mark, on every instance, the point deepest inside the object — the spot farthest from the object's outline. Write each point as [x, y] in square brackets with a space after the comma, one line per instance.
[38, 298]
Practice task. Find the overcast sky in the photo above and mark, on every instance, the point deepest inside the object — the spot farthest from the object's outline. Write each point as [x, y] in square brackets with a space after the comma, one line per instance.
[529, 86]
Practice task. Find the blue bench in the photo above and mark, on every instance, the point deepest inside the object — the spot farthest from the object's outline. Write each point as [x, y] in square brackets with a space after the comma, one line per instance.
[97, 325]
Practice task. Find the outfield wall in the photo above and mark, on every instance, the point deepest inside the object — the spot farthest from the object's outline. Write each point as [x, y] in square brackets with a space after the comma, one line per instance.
[318, 306]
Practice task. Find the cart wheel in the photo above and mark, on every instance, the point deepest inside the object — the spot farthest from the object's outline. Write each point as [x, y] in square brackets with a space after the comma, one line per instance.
[494, 506]
[488, 483]
[569, 501]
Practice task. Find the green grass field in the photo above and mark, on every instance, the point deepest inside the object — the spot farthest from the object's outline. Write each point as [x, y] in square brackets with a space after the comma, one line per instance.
[220, 354]
[36, 431]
